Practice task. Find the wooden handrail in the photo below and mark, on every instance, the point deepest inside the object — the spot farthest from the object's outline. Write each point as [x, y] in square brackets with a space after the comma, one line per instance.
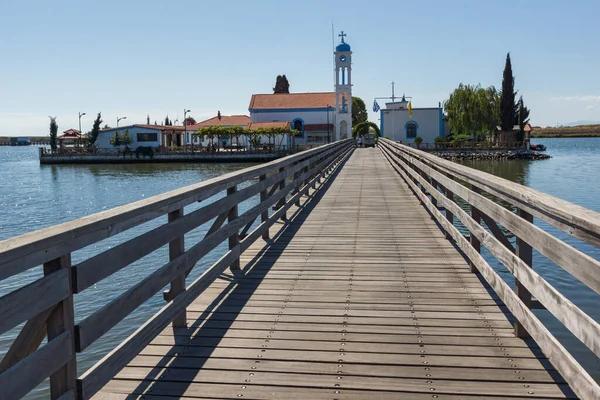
[419, 170]
[47, 304]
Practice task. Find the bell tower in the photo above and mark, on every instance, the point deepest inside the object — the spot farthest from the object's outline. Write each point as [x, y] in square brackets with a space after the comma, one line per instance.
[343, 88]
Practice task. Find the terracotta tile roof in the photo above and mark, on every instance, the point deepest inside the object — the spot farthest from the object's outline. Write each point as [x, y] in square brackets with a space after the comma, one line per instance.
[318, 127]
[71, 131]
[226, 120]
[273, 124]
[292, 100]
[149, 126]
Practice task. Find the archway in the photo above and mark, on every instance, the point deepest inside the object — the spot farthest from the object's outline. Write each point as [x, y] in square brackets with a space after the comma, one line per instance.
[343, 130]
[364, 128]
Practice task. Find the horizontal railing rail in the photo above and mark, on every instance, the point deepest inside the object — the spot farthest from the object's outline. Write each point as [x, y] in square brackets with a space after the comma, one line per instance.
[439, 183]
[46, 305]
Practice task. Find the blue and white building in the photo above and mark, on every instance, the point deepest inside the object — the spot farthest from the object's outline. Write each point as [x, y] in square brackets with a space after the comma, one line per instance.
[397, 123]
[320, 117]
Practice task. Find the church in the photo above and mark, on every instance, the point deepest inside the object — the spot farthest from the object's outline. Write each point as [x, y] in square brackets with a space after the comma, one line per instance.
[319, 117]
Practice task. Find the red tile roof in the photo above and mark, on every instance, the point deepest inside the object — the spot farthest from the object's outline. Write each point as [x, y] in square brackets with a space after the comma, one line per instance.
[273, 124]
[149, 126]
[71, 131]
[292, 100]
[226, 120]
[318, 127]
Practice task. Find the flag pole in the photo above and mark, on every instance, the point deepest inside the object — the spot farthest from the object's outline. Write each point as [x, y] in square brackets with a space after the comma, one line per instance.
[333, 51]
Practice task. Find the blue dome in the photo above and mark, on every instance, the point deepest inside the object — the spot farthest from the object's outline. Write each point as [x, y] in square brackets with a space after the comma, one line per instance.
[343, 47]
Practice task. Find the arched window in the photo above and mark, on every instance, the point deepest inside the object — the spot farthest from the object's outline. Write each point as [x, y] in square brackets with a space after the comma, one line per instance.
[411, 129]
[298, 125]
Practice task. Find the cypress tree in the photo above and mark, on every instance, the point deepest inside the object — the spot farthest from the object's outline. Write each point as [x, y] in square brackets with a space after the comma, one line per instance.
[507, 101]
[95, 129]
[281, 85]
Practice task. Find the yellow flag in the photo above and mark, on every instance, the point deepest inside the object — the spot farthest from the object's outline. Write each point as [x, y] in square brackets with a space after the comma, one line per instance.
[409, 109]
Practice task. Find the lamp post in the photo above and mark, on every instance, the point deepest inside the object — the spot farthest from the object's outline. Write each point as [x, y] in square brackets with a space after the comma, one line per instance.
[80, 115]
[185, 123]
[328, 130]
[118, 119]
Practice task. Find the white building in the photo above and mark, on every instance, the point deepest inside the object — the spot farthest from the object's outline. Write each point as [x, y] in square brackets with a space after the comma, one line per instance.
[143, 135]
[320, 117]
[397, 124]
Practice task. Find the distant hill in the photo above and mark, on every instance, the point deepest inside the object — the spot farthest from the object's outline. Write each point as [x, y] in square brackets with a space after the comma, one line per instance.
[584, 122]
[590, 130]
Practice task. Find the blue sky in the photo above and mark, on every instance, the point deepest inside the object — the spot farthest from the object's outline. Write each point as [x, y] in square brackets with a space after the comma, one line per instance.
[133, 58]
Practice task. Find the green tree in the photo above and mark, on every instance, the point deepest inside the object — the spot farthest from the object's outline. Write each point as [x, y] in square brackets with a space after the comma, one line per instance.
[365, 127]
[148, 119]
[507, 102]
[281, 85]
[359, 111]
[473, 110]
[522, 118]
[53, 133]
[167, 122]
[93, 137]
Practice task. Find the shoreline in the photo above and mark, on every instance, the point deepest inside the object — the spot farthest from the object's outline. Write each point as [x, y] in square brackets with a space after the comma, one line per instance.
[159, 159]
[458, 155]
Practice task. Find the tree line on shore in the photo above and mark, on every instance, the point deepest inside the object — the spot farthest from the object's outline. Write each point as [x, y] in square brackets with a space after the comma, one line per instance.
[473, 110]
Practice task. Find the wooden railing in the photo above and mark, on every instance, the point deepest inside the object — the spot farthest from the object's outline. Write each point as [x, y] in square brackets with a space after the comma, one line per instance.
[438, 183]
[46, 305]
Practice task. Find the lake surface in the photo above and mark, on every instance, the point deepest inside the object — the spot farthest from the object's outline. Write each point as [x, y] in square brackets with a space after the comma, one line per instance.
[33, 197]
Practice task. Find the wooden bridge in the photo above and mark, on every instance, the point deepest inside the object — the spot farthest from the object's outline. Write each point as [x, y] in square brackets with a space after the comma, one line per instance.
[344, 278]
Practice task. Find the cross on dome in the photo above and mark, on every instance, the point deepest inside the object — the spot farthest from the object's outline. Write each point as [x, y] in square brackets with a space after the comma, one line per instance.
[342, 36]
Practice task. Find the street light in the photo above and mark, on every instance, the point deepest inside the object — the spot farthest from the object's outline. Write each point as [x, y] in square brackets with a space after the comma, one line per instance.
[185, 124]
[80, 115]
[118, 119]
[328, 134]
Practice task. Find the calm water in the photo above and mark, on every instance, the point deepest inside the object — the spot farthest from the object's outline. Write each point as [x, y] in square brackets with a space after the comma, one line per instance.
[34, 197]
[572, 174]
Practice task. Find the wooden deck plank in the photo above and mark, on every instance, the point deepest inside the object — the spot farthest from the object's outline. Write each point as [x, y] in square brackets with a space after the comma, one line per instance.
[359, 296]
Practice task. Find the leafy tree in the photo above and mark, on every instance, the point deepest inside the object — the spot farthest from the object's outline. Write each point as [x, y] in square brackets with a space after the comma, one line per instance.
[281, 85]
[507, 102]
[473, 110]
[53, 133]
[121, 139]
[522, 118]
[93, 137]
[359, 111]
[364, 127]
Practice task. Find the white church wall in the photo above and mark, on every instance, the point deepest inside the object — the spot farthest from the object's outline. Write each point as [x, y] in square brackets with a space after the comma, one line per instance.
[428, 120]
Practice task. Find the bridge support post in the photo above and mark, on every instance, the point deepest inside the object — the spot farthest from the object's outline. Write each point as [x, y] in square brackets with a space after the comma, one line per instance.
[60, 320]
[177, 248]
[264, 216]
[524, 251]
[449, 215]
[281, 202]
[474, 241]
[234, 239]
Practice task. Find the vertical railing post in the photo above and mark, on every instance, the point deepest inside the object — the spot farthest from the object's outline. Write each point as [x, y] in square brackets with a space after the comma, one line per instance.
[524, 251]
[62, 319]
[298, 184]
[475, 243]
[264, 216]
[281, 201]
[177, 248]
[234, 239]
[435, 186]
[449, 215]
